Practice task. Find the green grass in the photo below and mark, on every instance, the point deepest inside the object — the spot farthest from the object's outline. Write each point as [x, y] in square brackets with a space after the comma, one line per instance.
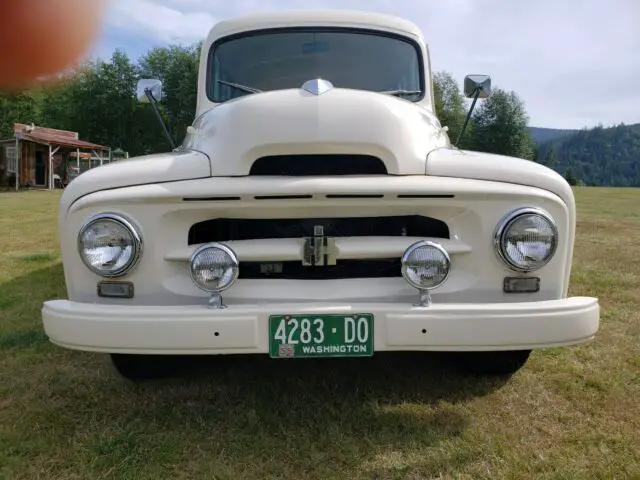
[571, 413]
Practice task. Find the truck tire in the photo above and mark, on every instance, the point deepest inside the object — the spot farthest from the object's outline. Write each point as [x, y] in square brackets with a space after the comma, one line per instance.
[142, 367]
[493, 363]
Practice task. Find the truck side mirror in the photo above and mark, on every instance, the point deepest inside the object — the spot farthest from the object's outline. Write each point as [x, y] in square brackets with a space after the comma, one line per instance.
[150, 91]
[148, 86]
[475, 86]
[480, 84]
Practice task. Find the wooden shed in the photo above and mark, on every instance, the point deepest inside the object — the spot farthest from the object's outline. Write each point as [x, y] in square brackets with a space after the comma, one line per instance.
[40, 157]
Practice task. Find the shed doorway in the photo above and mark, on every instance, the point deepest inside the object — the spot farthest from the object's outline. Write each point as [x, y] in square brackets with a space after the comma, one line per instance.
[41, 173]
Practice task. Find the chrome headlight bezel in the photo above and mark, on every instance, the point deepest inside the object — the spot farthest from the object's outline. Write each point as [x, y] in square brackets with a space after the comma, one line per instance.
[420, 244]
[503, 226]
[227, 250]
[137, 243]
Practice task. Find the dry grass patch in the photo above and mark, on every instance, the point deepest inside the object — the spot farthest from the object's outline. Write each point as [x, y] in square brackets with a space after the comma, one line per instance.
[570, 413]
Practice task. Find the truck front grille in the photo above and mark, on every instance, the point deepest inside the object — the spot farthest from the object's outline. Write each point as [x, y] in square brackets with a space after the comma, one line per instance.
[378, 268]
[231, 229]
[225, 229]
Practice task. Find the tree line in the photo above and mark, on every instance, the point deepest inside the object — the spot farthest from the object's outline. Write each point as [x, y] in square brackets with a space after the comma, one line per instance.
[97, 100]
[597, 156]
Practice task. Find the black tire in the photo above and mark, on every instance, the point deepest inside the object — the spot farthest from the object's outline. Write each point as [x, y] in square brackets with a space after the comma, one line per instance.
[143, 367]
[493, 363]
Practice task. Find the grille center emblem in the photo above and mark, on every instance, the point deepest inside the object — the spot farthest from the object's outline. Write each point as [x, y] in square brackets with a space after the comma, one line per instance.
[319, 250]
[317, 86]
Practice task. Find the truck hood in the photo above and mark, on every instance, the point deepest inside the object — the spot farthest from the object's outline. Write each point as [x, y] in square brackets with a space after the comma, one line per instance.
[226, 140]
[451, 162]
[288, 122]
[159, 168]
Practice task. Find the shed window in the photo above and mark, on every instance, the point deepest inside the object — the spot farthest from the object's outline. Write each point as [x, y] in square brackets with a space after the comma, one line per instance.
[12, 159]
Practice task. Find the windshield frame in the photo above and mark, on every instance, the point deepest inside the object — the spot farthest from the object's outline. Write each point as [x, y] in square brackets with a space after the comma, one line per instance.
[209, 87]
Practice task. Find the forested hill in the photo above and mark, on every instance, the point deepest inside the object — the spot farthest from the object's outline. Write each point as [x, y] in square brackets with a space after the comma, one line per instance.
[599, 156]
[542, 135]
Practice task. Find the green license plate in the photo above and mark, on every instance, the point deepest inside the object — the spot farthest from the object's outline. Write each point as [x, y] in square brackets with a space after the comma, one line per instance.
[301, 336]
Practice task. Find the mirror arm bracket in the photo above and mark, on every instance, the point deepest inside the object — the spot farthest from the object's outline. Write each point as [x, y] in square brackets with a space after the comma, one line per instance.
[152, 101]
[466, 120]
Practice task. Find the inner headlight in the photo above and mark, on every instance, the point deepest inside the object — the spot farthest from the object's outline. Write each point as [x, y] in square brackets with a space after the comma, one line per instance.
[214, 267]
[425, 265]
[526, 239]
[109, 245]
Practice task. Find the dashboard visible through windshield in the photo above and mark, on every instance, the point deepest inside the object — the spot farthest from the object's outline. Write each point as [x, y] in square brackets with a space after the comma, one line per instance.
[286, 58]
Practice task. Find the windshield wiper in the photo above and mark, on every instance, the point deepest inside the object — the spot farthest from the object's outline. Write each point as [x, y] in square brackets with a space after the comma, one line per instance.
[239, 86]
[246, 88]
[399, 93]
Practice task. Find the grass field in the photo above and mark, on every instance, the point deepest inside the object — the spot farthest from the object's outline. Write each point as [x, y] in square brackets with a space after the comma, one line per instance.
[570, 413]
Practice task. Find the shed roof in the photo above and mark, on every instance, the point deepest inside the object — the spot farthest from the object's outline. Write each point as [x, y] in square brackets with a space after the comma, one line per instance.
[53, 136]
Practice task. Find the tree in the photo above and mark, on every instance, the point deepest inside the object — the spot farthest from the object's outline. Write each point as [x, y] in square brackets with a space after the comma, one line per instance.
[449, 104]
[112, 103]
[97, 101]
[551, 158]
[500, 126]
[24, 107]
[571, 177]
[177, 68]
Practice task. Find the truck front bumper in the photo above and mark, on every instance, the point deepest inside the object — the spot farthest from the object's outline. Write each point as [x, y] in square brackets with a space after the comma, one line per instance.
[197, 329]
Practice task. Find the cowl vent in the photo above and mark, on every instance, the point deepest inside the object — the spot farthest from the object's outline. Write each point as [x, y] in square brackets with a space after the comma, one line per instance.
[318, 165]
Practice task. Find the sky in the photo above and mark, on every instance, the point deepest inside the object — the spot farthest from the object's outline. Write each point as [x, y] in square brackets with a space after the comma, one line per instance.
[574, 63]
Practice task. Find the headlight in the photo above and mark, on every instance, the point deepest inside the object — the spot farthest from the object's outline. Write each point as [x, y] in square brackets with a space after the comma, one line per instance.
[214, 267]
[425, 265]
[526, 239]
[109, 245]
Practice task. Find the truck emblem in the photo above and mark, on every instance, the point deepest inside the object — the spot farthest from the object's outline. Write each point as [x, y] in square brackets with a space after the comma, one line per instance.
[317, 86]
[319, 250]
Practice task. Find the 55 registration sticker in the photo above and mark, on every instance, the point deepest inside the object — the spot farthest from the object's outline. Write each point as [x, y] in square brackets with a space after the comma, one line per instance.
[321, 335]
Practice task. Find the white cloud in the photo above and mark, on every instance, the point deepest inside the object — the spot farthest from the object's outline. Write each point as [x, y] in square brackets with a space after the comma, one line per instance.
[168, 22]
[574, 63]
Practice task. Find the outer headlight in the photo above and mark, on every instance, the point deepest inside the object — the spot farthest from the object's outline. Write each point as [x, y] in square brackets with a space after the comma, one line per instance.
[214, 267]
[109, 245]
[526, 239]
[425, 265]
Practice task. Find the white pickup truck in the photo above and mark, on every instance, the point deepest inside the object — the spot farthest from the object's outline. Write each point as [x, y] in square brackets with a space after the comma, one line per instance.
[317, 208]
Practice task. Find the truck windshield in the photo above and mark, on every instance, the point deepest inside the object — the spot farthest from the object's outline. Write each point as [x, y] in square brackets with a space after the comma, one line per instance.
[286, 58]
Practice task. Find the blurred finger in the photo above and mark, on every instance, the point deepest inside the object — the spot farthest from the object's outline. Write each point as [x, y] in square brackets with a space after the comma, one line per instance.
[42, 37]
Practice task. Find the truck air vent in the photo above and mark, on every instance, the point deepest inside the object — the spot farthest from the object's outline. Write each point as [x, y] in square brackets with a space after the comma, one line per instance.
[318, 165]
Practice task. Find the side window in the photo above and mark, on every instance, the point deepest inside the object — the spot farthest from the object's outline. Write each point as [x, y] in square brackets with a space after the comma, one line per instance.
[11, 154]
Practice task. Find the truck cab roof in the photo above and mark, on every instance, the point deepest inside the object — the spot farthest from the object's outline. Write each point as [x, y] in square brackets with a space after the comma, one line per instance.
[337, 18]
